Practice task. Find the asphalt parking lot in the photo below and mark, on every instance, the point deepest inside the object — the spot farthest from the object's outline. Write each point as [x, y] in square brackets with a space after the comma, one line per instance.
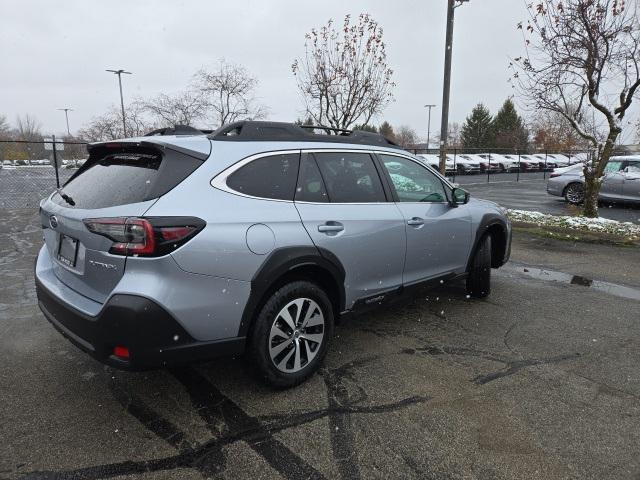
[532, 195]
[540, 380]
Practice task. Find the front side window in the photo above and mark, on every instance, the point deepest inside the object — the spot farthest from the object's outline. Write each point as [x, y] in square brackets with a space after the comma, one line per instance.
[350, 177]
[412, 182]
[613, 167]
[272, 177]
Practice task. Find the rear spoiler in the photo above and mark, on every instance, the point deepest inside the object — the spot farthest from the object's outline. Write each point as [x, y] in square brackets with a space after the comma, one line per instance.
[197, 147]
[198, 150]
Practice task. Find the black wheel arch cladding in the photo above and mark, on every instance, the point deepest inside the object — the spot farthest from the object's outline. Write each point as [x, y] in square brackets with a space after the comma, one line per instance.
[489, 223]
[282, 262]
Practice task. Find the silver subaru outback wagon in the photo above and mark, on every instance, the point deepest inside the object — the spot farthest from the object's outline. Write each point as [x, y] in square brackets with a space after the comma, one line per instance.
[181, 246]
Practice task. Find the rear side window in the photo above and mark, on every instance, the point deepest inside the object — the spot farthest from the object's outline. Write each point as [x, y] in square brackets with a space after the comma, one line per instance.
[125, 176]
[350, 177]
[633, 167]
[272, 177]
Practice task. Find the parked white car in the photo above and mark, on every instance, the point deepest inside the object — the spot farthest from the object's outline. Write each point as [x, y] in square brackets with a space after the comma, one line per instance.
[506, 162]
[463, 164]
[528, 163]
[467, 164]
[434, 161]
[560, 159]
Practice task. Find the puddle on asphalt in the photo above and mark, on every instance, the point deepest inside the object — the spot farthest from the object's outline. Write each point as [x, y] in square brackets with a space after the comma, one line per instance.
[551, 275]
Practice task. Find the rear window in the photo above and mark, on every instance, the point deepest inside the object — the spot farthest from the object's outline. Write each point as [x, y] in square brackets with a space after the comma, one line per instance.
[109, 179]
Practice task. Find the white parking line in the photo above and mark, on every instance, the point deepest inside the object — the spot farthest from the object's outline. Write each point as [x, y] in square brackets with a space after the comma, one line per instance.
[505, 181]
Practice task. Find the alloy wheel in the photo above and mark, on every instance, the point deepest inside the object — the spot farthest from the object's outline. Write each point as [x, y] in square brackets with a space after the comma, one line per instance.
[574, 193]
[296, 335]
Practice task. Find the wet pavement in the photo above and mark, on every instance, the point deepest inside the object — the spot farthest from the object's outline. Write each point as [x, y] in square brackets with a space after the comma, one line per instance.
[532, 195]
[540, 380]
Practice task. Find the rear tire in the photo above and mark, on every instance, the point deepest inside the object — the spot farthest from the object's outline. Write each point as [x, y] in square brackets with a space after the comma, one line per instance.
[479, 278]
[574, 193]
[291, 334]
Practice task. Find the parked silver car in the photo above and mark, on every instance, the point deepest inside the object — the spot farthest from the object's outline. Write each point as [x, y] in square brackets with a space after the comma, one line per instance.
[173, 248]
[621, 181]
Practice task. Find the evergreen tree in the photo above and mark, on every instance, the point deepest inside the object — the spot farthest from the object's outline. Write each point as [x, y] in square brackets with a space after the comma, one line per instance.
[509, 129]
[477, 130]
[386, 130]
[366, 128]
[307, 121]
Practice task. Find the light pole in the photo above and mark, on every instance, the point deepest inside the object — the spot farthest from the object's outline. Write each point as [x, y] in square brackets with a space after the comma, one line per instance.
[429, 106]
[119, 73]
[446, 89]
[66, 114]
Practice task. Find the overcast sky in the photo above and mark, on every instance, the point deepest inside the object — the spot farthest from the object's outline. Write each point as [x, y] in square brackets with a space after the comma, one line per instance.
[55, 52]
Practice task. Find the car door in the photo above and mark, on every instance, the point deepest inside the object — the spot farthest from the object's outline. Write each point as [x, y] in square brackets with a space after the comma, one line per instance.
[438, 234]
[631, 185]
[345, 210]
[613, 181]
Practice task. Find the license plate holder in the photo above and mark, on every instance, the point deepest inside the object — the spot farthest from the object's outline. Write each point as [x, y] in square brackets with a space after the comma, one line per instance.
[67, 250]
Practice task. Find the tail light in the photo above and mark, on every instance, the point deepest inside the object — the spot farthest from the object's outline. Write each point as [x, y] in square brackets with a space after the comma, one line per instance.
[145, 237]
[554, 175]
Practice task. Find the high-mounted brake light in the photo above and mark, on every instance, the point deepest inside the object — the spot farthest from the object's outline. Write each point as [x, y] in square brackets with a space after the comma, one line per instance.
[121, 352]
[146, 237]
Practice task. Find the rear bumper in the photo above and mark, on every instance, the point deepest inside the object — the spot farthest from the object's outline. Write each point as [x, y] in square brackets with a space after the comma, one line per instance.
[152, 336]
[555, 187]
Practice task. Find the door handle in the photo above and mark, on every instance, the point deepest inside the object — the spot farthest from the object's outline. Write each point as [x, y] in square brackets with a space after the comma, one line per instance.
[331, 227]
[415, 221]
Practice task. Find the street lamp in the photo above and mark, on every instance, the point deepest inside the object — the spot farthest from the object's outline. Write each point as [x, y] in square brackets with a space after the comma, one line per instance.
[66, 114]
[119, 73]
[429, 106]
[446, 89]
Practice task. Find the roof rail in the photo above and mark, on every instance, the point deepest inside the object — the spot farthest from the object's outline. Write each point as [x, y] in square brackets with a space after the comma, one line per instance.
[177, 130]
[249, 130]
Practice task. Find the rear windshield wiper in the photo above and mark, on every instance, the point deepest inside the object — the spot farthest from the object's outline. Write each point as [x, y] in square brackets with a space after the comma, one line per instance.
[65, 197]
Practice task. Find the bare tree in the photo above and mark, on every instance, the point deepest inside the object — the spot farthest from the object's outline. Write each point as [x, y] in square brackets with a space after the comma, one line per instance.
[552, 131]
[344, 78]
[228, 93]
[184, 108]
[4, 127]
[28, 128]
[406, 136]
[454, 133]
[582, 57]
[109, 125]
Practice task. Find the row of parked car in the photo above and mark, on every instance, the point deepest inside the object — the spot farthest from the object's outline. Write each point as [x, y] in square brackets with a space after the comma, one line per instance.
[467, 163]
[41, 162]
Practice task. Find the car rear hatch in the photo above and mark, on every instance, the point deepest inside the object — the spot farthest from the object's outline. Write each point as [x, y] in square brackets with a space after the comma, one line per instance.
[116, 185]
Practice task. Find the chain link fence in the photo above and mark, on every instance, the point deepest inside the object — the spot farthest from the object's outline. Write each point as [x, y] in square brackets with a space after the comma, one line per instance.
[469, 166]
[29, 171]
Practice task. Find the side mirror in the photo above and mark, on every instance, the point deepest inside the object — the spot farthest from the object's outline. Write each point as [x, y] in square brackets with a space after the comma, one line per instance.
[459, 197]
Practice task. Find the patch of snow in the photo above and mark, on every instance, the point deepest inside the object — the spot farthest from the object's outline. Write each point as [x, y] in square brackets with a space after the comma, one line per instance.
[601, 225]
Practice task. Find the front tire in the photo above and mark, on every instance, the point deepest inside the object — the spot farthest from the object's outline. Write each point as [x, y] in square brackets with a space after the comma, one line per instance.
[479, 278]
[574, 193]
[291, 334]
